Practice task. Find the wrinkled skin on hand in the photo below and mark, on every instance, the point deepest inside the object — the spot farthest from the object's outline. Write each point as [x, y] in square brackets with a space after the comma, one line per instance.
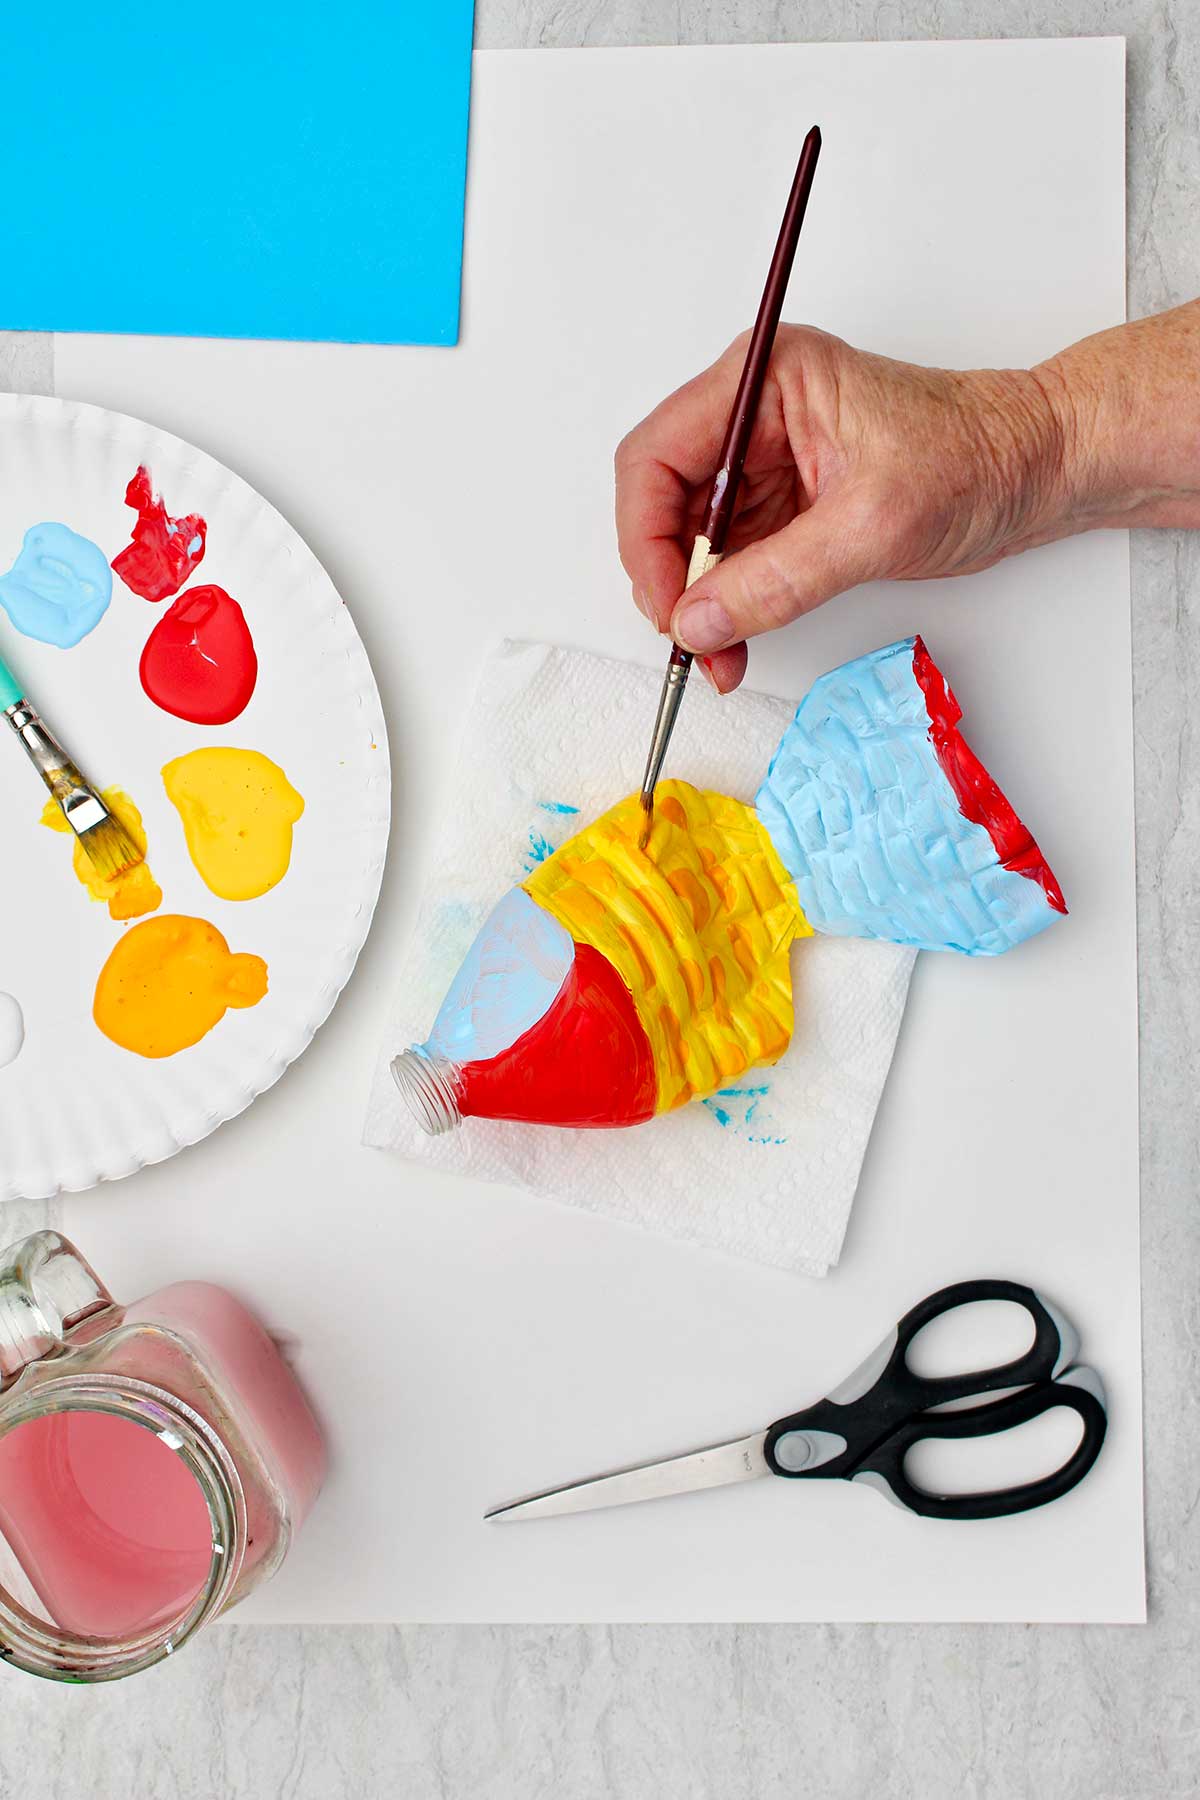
[862, 468]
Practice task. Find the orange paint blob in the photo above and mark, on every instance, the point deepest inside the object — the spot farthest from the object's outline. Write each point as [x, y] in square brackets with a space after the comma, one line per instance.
[169, 981]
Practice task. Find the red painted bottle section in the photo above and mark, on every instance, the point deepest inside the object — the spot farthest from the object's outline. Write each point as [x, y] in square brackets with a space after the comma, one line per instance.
[199, 661]
[165, 551]
[978, 796]
[587, 1061]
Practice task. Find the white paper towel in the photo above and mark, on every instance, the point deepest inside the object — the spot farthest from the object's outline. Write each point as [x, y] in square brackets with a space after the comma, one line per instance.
[767, 1169]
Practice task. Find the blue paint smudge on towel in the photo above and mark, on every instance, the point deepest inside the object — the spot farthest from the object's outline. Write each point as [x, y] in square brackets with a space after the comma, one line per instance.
[536, 851]
[538, 847]
[738, 1109]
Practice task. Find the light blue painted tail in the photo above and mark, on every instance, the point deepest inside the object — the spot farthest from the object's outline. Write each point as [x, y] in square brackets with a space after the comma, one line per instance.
[862, 812]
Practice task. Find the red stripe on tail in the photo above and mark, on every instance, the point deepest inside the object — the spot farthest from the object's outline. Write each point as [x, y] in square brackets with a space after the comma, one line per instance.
[978, 796]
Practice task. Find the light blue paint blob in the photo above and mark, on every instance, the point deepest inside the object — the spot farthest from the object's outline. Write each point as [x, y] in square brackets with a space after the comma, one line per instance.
[869, 827]
[557, 806]
[58, 588]
[509, 980]
[736, 1109]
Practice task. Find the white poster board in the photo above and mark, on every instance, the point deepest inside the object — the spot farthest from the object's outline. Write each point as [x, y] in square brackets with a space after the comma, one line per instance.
[466, 1343]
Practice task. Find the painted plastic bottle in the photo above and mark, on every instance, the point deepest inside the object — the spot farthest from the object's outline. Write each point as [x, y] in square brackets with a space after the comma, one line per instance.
[621, 980]
[155, 1461]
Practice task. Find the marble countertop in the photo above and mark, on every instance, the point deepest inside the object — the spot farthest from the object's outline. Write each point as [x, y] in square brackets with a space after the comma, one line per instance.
[757, 1711]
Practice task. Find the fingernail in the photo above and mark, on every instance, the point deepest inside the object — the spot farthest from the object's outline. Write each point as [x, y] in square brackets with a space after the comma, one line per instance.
[706, 669]
[642, 601]
[703, 625]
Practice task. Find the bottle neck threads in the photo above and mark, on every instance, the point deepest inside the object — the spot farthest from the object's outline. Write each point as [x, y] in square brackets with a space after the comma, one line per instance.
[430, 1085]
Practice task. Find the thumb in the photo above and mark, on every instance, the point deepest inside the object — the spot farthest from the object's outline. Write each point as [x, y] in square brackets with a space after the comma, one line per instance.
[826, 550]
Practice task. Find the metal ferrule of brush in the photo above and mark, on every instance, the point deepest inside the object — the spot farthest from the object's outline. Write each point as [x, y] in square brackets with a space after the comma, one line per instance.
[81, 805]
[673, 685]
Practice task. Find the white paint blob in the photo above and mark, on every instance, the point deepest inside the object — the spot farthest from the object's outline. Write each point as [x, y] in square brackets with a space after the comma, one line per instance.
[12, 1029]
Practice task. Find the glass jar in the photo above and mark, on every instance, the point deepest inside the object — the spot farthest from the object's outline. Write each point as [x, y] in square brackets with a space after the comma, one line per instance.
[155, 1461]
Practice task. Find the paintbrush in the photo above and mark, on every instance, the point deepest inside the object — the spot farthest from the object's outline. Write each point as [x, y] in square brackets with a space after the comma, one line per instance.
[709, 546]
[103, 839]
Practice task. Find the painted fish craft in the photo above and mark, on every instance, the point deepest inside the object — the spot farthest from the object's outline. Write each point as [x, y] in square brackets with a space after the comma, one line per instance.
[617, 983]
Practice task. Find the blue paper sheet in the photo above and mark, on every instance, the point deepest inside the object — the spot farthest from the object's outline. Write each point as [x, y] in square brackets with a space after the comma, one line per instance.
[237, 169]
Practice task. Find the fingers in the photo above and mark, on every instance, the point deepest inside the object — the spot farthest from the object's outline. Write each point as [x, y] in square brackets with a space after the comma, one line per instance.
[658, 465]
[656, 566]
[725, 668]
[826, 550]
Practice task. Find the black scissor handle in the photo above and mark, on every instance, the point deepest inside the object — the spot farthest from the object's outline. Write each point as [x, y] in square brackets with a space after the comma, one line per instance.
[1080, 1390]
[884, 1392]
[1054, 1348]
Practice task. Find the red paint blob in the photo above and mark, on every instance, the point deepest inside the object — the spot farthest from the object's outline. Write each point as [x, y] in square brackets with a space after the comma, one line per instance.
[165, 551]
[977, 794]
[199, 660]
[587, 1061]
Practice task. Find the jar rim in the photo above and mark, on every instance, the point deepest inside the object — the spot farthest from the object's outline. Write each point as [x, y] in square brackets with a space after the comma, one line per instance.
[43, 1648]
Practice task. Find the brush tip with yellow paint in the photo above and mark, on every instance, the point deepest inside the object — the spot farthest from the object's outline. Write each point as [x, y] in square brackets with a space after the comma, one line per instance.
[110, 849]
[131, 891]
[647, 802]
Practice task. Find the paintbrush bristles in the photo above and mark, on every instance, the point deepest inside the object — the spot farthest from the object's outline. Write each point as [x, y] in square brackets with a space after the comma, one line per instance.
[647, 820]
[110, 849]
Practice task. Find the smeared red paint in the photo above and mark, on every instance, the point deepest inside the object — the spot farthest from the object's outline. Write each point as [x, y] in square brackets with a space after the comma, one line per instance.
[199, 660]
[977, 794]
[161, 557]
[587, 1061]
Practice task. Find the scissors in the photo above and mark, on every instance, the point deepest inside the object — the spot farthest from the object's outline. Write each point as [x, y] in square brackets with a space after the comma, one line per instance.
[865, 1428]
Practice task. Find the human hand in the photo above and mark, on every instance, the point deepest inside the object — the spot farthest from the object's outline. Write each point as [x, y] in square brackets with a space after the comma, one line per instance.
[859, 469]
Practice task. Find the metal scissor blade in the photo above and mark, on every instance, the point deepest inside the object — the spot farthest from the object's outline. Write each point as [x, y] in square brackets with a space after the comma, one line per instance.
[715, 1466]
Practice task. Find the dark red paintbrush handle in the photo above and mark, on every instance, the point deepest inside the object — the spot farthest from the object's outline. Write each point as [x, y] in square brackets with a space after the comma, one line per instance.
[758, 356]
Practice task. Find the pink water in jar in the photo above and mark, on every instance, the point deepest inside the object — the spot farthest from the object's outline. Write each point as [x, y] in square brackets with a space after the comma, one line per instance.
[155, 1461]
[108, 1528]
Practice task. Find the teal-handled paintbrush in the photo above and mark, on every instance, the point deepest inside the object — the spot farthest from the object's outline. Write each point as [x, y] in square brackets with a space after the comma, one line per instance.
[103, 839]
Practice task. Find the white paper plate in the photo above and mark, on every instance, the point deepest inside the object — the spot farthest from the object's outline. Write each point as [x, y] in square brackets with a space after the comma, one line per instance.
[74, 1108]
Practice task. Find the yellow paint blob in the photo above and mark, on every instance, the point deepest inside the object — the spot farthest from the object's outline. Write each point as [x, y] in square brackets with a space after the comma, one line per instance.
[128, 896]
[168, 981]
[699, 926]
[238, 809]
